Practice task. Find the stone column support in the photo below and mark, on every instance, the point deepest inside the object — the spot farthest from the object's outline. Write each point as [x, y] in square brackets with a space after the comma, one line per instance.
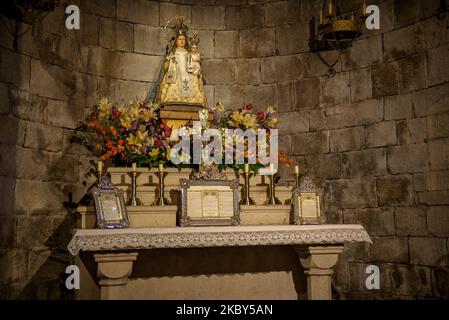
[318, 262]
[113, 271]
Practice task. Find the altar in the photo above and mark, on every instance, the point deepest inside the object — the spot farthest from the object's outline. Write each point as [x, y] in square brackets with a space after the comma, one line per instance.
[235, 262]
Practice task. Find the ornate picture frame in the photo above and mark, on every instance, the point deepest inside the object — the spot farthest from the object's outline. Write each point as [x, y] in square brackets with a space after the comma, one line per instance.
[109, 205]
[209, 197]
[307, 205]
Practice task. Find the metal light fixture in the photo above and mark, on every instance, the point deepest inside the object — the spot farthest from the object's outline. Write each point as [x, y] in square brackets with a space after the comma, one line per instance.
[335, 31]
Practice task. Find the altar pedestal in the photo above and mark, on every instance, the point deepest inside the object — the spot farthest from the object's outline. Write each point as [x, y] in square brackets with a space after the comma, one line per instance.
[240, 262]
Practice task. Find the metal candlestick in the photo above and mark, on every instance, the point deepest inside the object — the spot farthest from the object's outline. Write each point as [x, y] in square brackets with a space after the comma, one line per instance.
[134, 201]
[272, 200]
[161, 201]
[247, 201]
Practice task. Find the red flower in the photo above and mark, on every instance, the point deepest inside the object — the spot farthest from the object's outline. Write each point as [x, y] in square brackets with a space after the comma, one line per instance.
[116, 114]
[239, 110]
[249, 106]
[261, 115]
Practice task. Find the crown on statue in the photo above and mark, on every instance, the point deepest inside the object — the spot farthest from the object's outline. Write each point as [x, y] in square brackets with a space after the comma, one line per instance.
[179, 25]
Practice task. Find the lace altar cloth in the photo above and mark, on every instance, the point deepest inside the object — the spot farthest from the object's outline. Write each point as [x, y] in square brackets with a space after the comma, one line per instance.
[200, 237]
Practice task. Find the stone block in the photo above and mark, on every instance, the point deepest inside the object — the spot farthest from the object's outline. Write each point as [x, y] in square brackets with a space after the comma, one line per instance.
[407, 158]
[244, 17]
[26, 107]
[439, 180]
[399, 43]
[438, 125]
[386, 18]
[7, 186]
[410, 221]
[282, 12]
[102, 62]
[247, 71]
[377, 221]
[438, 197]
[412, 131]
[104, 8]
[285, 143]
[138, 11]
[210, 95]
[354, 193]
[7, 232]
[280, 68]
[438, 221]
[385, 79]
[421, 182]
[317, 120]
[361, 86]
[439, 154]
[141, 67]
[308, 92]
[230, 95]
[149, 40]
[208, 17]
[440, 277]
[381, 134]
[63, 115]
[207, 43]
[13, 265]
[13, 131]
[410, 281]
[285, 96]
[116, 35]
[336, 90]
[89, 29]
[44, 137]
[31, 164]
[226, 44]
[49, 81]
[364, 53]
[431, 33]
[256, 43]
[218, 71]
[15, 69]
[314, 67]
[26, 226]
[168, 11]
[360, 113]
[438, 65]
[431, 100]
[428, 251]
[63, 168]
[127, 90]
[390, 250]
[292, 38]
[398, 107]
[293, 122]
[407, 12]
[38, 197]
[260, 96]
[310, 143]
[413, 73]
[395, 190]
[324, 166]
[4, 98]
[347, 139]
[368, 162]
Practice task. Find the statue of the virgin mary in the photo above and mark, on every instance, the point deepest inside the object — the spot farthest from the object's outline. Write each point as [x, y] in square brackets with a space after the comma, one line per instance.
[179, 85]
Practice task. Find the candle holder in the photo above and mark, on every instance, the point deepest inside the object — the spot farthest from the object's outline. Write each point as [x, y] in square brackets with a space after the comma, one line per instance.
[134, 201]
[247, 201]
[161, 201]
[272, 200]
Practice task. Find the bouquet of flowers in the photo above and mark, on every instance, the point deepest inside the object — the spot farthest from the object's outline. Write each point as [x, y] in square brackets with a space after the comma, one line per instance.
[130, 132]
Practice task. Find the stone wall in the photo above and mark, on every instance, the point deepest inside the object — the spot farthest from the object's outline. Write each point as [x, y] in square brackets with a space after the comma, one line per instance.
[376, 133]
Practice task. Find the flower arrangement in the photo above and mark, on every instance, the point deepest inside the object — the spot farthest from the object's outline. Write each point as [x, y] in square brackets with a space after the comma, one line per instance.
[130, 132]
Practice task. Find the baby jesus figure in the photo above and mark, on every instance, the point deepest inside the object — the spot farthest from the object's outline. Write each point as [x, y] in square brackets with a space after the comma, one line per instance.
[194, 59]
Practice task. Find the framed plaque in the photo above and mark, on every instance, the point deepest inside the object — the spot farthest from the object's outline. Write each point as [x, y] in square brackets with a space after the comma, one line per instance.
[109, 205]
[209, 202]
[307, 205]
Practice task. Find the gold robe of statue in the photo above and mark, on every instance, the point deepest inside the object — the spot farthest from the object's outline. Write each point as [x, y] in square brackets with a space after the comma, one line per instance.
[178, 86]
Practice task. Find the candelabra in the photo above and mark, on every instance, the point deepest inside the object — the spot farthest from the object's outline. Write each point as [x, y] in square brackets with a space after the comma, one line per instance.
[161, 201]
[247, 199]
[134, 201]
